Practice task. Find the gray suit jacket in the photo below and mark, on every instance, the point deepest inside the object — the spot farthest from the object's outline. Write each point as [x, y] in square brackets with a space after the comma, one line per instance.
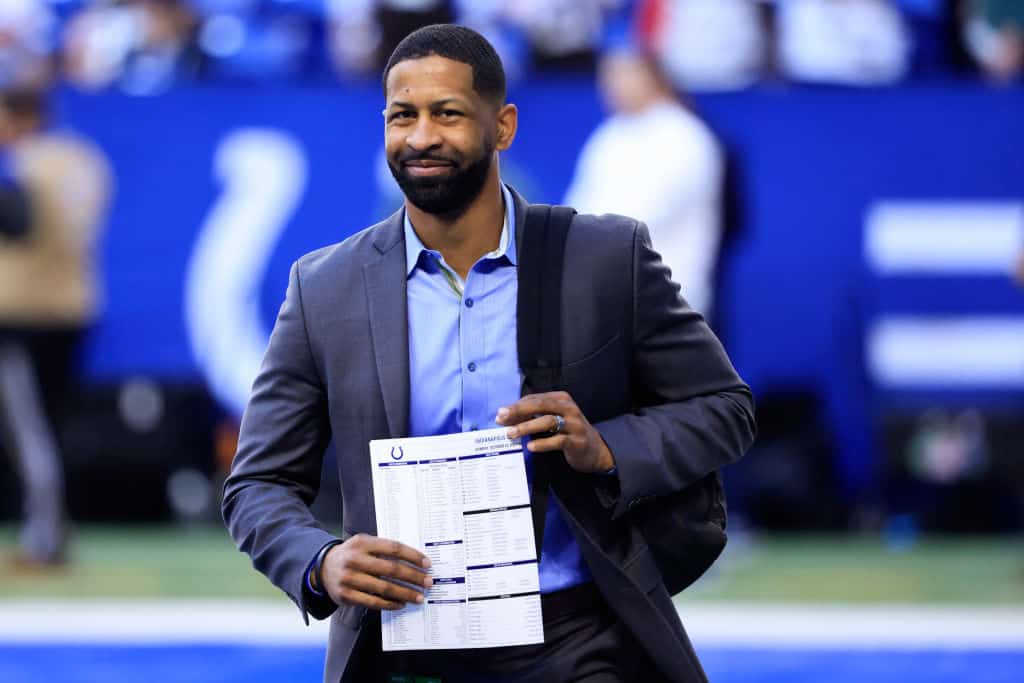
[644, 368]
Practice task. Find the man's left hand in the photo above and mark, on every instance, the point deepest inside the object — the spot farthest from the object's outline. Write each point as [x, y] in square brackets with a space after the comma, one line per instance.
[535, 416]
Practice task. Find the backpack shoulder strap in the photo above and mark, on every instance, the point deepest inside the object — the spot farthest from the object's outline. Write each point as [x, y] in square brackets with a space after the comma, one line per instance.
[539, 324]
[539, 306]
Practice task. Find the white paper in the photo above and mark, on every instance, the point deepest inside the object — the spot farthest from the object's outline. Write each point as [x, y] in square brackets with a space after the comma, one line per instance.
[463, 500]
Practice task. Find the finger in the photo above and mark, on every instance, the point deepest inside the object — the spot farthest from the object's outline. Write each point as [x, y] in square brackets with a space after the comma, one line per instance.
[387, 547]
[391, 568]
[385, 589]
[558, 442]
[528, 407]
[524, 409]
[538, 425]
[357, 597]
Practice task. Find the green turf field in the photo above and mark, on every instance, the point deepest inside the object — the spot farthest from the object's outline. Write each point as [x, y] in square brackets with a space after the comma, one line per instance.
[170, 562]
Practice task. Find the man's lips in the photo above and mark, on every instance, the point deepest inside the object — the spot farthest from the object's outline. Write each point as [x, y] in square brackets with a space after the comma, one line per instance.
[427, 167]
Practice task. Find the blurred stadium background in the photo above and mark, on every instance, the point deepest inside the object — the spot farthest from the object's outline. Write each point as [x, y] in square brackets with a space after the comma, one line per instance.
[868, 281]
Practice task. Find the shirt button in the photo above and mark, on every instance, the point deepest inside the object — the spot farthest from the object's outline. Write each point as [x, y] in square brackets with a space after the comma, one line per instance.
[469, 303]
[472, 367]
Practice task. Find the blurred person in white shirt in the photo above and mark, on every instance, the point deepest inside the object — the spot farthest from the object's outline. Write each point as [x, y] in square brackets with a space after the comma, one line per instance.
[654, 159]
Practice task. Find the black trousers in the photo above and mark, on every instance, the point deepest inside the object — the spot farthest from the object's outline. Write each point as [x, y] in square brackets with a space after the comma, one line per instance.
[35, 373]
[583, 642]
[53, 354]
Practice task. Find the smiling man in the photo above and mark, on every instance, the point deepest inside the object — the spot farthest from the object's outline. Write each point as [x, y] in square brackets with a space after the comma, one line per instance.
[409, 328]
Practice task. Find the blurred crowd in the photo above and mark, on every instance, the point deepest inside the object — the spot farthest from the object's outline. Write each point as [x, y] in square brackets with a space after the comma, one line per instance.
[148, 46]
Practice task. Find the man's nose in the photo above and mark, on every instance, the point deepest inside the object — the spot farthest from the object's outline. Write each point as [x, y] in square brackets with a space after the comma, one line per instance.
[424, 135]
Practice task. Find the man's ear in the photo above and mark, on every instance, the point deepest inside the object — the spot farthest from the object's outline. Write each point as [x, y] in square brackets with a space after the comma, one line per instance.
[508, 122]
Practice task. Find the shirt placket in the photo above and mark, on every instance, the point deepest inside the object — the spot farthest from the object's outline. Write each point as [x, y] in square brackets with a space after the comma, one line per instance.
[471, 350]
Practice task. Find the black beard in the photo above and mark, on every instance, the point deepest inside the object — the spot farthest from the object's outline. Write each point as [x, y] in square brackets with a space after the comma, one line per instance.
[450, 196]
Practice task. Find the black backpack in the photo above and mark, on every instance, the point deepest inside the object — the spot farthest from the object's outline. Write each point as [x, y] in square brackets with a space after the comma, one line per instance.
[685, 530]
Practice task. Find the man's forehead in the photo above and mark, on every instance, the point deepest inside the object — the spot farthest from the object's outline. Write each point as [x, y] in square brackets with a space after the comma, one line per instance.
[431, 78]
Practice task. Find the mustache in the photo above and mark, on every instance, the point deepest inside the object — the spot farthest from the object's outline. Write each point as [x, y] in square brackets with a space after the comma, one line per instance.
[426, 156]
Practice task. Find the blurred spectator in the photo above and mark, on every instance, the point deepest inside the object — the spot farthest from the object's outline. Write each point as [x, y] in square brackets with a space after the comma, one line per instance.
[563, 34]
[994, 33]
[363, 33]
[849, 42]
[26, 42]
[48, 296]
[399, 18]
[706, 44]
[655, 160]
[142, 46]
[352, 36]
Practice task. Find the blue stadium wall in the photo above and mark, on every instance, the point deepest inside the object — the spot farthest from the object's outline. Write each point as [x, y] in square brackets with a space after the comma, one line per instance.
[794, 294]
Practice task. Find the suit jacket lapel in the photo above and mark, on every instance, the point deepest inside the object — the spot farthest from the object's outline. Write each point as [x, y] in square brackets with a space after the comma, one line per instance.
[389, 323]
[521, 206]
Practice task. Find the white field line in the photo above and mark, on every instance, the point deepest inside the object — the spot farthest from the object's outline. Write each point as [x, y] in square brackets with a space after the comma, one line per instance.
[717, 625]
[855, 627]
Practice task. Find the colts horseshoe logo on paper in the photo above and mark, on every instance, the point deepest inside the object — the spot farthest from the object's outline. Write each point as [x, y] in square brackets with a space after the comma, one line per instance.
[397, 453]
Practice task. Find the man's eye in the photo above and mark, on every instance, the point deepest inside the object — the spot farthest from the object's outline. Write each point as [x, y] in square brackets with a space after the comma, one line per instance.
[401, 115]
[450, 113]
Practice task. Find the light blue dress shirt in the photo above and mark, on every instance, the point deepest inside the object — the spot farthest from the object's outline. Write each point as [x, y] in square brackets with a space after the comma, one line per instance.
[464, 364]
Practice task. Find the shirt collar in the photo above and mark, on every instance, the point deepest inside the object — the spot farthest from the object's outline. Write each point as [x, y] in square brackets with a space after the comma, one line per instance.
[506, 245]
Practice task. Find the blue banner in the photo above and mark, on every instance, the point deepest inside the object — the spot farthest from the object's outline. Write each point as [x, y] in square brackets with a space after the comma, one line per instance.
[219, 191]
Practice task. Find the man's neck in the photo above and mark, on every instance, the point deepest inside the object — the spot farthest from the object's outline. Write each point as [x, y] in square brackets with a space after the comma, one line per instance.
[462, 241]
[651, 102]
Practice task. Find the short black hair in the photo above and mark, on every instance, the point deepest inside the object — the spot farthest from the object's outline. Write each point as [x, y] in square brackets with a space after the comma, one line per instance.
[459, 44]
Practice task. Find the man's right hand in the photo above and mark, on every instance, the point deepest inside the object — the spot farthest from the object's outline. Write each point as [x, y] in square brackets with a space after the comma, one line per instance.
[360, 572]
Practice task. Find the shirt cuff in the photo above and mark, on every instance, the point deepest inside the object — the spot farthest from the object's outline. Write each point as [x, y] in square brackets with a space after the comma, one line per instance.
[311, 567]
[309, 580]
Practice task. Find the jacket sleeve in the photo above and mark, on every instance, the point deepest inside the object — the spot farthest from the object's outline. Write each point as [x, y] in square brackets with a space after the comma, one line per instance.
[276, 471]
[693, 413]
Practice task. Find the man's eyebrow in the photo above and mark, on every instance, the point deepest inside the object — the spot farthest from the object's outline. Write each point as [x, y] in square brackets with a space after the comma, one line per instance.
[399, 104]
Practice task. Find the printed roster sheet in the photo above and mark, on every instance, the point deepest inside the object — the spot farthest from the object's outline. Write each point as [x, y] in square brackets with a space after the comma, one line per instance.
[464, 501]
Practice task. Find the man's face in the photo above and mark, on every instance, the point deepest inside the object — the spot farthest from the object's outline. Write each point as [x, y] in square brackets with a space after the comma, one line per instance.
[439, 134]
[626, 83]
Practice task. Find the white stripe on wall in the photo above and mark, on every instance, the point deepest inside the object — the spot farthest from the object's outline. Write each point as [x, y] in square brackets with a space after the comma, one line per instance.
[982, 352]
[944, 237]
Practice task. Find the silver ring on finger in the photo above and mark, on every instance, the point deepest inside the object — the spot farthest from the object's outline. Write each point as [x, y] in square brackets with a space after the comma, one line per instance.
[559, 424]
